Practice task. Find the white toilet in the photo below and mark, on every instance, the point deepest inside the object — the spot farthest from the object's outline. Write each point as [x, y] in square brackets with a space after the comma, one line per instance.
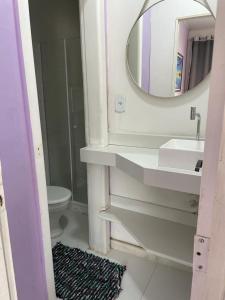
[58, 201]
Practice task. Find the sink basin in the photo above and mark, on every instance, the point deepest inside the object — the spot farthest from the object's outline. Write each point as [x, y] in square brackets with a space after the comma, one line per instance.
[181, 154]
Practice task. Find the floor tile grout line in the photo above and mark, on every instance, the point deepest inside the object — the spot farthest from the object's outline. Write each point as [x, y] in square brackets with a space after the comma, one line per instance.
[147, 285]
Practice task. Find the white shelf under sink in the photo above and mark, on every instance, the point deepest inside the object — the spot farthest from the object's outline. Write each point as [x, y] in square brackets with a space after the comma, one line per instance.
[163, 238]
[142, 164]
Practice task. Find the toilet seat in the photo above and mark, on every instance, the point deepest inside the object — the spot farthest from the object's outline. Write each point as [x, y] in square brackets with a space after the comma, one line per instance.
[57, 195]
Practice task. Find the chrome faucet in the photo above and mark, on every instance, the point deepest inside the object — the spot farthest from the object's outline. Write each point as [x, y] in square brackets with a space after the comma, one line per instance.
[193, 116]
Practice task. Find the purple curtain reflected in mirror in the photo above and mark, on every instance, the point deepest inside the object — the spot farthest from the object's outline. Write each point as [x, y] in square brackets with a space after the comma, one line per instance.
[157, 38]
[200, 60]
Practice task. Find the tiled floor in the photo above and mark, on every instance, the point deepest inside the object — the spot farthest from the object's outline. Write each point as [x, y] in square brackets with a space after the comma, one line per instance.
[144, 279]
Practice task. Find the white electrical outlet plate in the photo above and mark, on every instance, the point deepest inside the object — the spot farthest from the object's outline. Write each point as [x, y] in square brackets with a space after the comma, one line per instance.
[120, 103]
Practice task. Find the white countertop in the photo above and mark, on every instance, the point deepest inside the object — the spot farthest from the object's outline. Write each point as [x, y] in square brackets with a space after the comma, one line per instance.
[142, 164]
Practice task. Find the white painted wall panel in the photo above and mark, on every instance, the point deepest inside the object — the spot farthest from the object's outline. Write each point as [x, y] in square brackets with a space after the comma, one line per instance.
[159, 117]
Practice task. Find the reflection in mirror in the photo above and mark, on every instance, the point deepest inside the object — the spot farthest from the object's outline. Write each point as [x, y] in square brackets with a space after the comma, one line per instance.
[170, 47]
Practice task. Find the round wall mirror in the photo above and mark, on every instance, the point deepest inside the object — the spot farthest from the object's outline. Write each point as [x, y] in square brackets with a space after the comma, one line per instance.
[170, 47]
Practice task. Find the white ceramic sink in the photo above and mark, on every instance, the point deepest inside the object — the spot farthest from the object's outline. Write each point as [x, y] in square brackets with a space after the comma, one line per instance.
[181, 154]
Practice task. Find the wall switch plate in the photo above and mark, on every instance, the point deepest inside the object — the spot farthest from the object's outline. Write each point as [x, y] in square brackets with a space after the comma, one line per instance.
[120, 104]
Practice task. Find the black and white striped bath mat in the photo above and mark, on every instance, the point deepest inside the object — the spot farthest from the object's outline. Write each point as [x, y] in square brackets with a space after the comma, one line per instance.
[83, 276]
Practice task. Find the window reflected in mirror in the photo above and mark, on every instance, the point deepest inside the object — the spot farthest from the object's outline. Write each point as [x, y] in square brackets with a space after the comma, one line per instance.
[170, 47]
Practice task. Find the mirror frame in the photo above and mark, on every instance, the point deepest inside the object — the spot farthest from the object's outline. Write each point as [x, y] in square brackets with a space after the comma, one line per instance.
[146, 6]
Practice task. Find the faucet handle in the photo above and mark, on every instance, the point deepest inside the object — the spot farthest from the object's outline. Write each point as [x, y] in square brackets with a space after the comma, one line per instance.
[193, 113]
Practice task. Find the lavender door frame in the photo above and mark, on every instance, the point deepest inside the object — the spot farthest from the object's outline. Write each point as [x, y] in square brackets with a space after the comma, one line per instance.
[19, 161]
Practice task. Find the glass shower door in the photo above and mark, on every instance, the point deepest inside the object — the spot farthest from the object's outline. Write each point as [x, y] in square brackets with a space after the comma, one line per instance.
[77, 121]
[62, 114]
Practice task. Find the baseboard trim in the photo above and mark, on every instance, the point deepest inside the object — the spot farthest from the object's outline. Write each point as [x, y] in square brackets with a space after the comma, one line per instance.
[79, 207]
[140, 252]
[128, 248]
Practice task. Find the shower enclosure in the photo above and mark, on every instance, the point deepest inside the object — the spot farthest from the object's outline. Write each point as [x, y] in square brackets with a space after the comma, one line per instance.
[61, 101]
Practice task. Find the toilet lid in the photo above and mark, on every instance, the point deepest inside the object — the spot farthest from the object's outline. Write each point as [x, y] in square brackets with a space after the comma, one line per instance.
[57, 194]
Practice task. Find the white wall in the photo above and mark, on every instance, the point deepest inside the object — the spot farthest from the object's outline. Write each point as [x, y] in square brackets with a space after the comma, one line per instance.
[158, 116]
